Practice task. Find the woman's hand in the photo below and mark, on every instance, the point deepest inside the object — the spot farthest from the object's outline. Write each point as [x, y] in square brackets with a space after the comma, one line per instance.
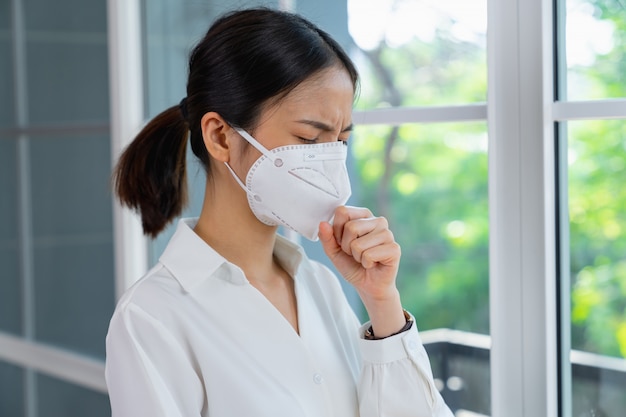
[364, 251]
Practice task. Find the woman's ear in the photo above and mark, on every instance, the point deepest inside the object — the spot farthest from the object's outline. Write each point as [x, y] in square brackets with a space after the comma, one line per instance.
[216, 134]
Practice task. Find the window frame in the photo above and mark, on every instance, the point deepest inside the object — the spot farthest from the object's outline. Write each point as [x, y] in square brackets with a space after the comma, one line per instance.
[523, 257]
[530, 357]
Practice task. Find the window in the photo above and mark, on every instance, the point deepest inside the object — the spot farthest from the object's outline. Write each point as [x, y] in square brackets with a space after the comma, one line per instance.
[420, 159]
[56, 238]
[593, 159]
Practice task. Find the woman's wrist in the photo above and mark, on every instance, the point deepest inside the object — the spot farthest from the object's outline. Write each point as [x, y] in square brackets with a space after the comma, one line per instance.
[369, 332]
[387, 316]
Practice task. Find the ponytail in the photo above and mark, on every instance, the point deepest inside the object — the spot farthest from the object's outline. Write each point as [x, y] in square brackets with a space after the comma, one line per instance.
[150, 176]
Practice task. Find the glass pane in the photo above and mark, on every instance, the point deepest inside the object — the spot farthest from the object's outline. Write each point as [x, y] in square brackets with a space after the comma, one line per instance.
[59, 17]
[10, 287]
[6, 67]
[430, 181]
[73, 241]
[595, 38]
[66, 61]
[5, 16]
[419, 52]
[597, 198]
[71, 191]
[74, 293]
[58, 398]
[68, 79]
[172, 29]
[462, 374]
[11, 390]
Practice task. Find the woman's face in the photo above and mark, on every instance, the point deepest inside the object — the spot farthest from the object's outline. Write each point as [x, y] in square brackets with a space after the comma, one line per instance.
[318, 110]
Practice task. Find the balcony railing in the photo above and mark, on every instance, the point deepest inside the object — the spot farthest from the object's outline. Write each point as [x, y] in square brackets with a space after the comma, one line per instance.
[460, 363]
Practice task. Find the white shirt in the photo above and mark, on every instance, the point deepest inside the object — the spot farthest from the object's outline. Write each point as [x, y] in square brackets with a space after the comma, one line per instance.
[194, 338]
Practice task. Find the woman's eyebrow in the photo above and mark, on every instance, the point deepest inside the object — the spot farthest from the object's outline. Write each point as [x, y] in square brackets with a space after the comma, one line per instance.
[324, 126]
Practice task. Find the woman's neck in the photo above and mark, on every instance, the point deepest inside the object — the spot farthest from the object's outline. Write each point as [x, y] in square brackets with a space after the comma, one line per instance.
[228, 225]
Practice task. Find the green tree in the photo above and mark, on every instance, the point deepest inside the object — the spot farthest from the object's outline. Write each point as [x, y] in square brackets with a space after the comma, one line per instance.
[598, 203]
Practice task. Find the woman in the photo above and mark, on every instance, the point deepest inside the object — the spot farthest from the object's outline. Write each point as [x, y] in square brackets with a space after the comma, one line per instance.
[234, 320]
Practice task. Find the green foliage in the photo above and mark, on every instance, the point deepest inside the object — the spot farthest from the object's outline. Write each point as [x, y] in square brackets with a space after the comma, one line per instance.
[597, 201]
[430, 181]
[606, 76]
[434, 193]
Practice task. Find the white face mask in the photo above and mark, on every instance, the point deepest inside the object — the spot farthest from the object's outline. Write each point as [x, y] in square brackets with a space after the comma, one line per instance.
[297, 186]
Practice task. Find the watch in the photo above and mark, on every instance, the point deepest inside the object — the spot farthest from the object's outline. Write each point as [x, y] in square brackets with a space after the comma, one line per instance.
[369, 333]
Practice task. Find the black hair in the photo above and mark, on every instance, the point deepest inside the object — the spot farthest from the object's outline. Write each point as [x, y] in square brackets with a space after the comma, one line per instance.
[248, 58]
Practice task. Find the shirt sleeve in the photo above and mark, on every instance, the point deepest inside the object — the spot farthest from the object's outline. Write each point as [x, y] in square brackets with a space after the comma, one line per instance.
[396, 378]
[148, 373]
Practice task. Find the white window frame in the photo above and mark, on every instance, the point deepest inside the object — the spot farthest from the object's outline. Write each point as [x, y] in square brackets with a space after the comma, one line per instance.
[523, 293]
[127, 117]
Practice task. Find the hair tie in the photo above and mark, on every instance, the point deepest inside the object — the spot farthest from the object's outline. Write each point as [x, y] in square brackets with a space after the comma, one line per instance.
[183, 108]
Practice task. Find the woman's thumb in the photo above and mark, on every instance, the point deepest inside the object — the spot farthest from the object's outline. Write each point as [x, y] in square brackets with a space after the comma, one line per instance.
[327, 238]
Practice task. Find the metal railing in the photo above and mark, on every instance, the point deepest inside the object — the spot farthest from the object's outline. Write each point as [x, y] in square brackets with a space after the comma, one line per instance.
[460, 363]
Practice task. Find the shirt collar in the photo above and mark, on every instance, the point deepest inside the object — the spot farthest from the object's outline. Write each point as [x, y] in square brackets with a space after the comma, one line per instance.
[289, 254]
[192, 261]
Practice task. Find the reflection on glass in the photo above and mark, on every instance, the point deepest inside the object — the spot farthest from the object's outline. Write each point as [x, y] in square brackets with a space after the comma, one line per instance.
[597, 209]
[430, 182]
[419, 52]
[7, 110]
[10, 286]
[58, 398]
[11, 390]
[72, 241]
[595, 38]
[65, 62]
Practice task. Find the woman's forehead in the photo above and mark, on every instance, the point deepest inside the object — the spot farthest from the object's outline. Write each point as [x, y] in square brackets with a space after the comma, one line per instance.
[329, 95]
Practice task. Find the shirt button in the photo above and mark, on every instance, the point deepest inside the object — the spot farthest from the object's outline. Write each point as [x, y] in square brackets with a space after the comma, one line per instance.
[318, 379]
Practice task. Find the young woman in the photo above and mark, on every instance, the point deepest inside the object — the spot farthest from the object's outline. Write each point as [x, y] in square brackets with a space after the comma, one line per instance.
[234, 320]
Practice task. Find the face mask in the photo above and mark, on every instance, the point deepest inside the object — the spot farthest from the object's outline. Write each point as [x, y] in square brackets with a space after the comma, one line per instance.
[297, 186]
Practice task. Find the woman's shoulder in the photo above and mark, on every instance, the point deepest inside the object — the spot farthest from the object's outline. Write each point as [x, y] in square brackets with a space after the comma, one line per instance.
[154, 293]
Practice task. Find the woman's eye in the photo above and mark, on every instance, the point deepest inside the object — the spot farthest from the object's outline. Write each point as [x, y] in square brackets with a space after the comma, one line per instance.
[305, 140]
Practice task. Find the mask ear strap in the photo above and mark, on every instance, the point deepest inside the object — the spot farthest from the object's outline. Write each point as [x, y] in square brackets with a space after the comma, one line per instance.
[241, 184]
[252, 141]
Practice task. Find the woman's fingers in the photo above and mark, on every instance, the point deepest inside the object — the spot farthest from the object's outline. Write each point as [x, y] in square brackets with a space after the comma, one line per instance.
[387, 254]
[346, 214]
[364, 237]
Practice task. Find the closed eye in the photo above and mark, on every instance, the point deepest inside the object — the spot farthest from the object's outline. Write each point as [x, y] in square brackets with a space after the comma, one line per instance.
[305, 140]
